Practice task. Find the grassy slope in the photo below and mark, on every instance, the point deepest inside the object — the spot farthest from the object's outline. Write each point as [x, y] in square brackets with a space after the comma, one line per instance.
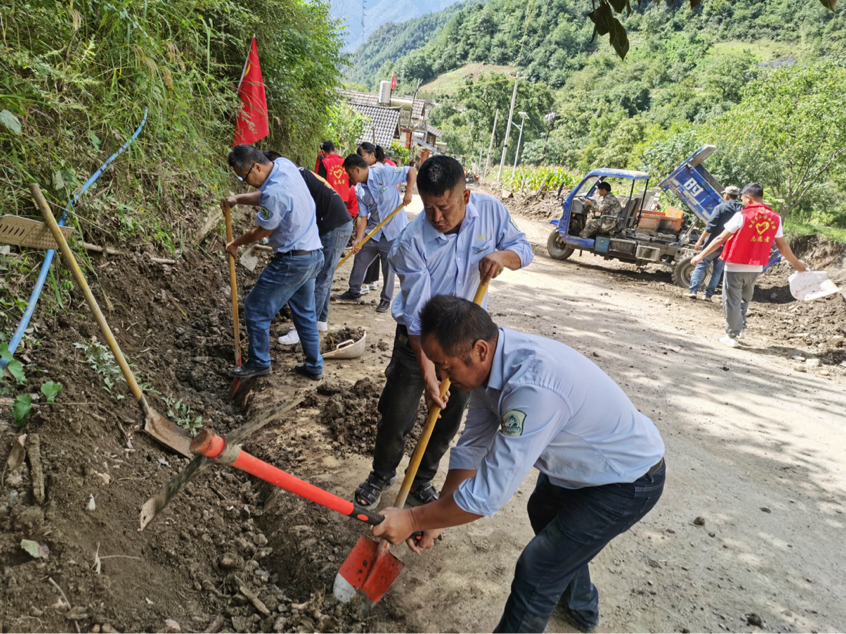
[453, 80]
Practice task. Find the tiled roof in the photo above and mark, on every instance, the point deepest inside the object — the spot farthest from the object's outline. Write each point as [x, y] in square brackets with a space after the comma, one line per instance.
[433, 130]
[384, 123]
[372, 99]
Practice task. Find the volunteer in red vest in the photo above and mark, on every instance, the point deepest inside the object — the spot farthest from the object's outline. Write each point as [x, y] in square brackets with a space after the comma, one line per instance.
[748, 238]
[330, 167]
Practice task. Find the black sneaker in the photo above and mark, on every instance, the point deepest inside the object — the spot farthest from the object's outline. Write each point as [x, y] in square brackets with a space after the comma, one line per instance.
[573, 619]
[348, 298]
[303, 371]
[248, 371]
[383, 306]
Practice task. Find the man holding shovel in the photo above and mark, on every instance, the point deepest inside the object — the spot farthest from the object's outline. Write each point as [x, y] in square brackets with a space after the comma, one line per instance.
[378, 196]
[536, 402]
[287, 217]
[459, 240]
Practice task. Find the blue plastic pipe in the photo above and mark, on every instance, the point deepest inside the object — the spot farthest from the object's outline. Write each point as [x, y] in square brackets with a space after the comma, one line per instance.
[48, 259]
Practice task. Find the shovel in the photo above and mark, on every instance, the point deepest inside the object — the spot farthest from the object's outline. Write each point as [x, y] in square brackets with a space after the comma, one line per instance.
[155, 424]
[370, 235]
[233, 285]
[370, 565]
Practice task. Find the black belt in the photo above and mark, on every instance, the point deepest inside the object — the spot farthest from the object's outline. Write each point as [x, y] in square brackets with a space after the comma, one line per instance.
[279, 256]
[656, 467]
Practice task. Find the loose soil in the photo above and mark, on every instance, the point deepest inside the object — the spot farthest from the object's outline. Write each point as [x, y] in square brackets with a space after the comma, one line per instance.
[332, 340]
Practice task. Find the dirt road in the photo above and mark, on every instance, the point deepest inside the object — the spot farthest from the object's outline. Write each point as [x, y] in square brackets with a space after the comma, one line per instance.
[753, 447]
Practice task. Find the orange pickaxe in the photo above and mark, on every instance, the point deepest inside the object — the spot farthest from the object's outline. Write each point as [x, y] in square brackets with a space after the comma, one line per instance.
[370, 565]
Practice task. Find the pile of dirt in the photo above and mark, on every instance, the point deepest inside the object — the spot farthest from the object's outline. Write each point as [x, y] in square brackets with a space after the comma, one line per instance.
[816, 329]
[332, 339]
[545, 206]
[351, 413]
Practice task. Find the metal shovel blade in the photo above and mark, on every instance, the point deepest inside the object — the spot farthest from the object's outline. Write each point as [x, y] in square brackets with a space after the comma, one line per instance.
[167, 433]
[370, 567]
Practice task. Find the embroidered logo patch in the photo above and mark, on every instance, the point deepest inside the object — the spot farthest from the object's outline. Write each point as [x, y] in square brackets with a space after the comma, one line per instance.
[512, 423]
[264, 213]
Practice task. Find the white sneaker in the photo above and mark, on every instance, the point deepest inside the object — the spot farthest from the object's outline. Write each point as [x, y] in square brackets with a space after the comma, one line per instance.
[690, 295]
[742, 334]
[291, 339]
[365, 288]
[374, 286]
[322, 326]
[731, 342]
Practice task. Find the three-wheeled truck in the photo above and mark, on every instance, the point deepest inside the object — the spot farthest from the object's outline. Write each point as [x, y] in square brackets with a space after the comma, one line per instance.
[649, 235]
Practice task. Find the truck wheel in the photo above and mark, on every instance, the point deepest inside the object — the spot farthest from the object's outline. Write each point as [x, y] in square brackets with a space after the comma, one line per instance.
[556, 247]
[683, 271]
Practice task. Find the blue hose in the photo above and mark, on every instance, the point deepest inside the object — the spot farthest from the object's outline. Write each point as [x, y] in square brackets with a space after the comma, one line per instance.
[48, 259]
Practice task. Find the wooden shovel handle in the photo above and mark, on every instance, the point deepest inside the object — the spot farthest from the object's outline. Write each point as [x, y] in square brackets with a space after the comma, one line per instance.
[233, 285]
[89, 296]
[370, 235]
[429, 427]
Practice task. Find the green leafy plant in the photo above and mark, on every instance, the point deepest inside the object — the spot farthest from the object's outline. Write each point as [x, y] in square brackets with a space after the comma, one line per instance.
[103, 362]
[21, 408]
[14, 366]
[180, 413]
[51, 390]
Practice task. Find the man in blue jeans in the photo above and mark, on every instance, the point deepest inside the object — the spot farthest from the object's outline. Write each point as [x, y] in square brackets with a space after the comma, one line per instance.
[287, 218]
[537, 403]
[722, 214]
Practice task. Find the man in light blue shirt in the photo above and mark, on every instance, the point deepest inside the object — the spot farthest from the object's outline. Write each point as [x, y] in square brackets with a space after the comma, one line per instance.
[378, 196]
[287, 218]
[459, 240]
[536, 403]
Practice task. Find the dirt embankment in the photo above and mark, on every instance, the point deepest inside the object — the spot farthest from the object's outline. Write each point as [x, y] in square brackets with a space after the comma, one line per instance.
[214, 559]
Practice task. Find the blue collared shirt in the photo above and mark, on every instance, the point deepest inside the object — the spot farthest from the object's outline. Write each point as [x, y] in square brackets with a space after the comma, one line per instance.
[431, 263]
[288, 209]
[379, 196]
[547, 406]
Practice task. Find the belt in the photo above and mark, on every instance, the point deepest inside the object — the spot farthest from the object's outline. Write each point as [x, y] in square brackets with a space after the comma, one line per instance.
[656, 467]
[279, 256]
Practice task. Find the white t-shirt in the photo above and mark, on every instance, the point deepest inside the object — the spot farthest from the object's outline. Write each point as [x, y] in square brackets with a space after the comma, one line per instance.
[733, 226]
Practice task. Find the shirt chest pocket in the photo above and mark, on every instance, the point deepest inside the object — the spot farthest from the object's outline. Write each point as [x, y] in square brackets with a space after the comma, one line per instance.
[480, 250]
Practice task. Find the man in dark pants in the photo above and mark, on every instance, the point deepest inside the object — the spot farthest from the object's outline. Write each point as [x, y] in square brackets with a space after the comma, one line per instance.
[536, 402]
[722, 214]
[459, 240]
[287, 218]
[378, 197]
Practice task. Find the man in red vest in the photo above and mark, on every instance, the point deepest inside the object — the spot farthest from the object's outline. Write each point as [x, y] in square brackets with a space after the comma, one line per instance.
[748, 237]
[330, 167]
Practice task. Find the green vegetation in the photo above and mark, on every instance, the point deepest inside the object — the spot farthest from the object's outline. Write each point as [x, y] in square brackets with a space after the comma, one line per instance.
[181, 414]
[450, 82]
[103, 362]
[76, 78]
[534, 179]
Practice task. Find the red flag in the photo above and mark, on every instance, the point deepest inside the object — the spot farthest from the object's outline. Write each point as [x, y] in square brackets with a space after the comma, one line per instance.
[251, 124]
[393, 80]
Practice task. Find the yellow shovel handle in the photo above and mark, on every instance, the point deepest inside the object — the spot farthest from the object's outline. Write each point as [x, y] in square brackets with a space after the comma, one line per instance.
[370, 235]
[89, 296]
[233, 284]
[429, 427]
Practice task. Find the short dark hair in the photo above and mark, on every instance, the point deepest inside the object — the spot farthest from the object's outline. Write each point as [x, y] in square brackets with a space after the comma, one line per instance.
[272, 155]
[243, 156]
[354, 160]
[604, 185]
[439, 174]
[327, 146]
[457, 324]
[732, 196]
[754, 190]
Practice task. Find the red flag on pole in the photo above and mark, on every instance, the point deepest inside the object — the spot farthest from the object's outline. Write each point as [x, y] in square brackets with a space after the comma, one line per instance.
[393, 80]
[251, 124]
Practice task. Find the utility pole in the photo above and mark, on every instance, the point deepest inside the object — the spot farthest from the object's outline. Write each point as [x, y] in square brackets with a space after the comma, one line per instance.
[479, 164]
[522, 125]
[508, 129]
[490, 147]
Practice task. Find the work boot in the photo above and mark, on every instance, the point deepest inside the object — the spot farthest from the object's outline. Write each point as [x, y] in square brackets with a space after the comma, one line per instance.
[303, 371]
[248, 371]
[348, 298]
[573, 619]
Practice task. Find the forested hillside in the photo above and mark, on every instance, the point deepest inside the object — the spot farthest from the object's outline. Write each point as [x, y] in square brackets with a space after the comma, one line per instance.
[376, 14]
[690, 76]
